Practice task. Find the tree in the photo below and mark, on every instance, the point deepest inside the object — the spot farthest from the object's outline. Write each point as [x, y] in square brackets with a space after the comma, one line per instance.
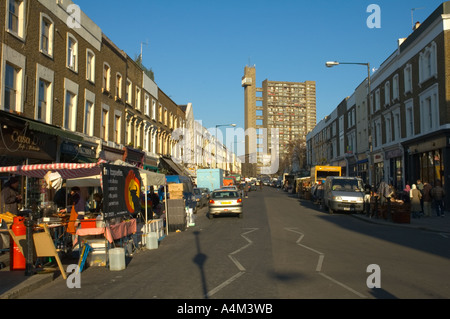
[148, 72]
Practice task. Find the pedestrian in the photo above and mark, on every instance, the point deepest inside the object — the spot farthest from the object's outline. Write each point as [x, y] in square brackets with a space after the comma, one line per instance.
[77, 201]
[420, 188]
[415, 196]
[438, 195]
[98, 198]
[11, 196]
[426, 196]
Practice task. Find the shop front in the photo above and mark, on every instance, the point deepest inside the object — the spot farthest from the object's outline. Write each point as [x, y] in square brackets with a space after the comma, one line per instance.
[427, 160]
[394, 162]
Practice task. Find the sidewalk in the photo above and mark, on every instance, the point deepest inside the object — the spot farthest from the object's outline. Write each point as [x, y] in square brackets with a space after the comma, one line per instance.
[434, 223]
[14, 284]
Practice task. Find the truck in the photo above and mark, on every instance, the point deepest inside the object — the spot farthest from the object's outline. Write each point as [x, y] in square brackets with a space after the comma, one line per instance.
[229, 180]
[211, 178]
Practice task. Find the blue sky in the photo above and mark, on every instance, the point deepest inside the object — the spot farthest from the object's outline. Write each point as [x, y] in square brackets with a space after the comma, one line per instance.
[198, 48]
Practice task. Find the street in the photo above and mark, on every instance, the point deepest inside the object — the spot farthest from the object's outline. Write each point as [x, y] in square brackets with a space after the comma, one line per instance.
[283, 248]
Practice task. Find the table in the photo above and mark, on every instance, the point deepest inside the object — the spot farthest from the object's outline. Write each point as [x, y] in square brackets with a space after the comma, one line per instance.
[112, 232]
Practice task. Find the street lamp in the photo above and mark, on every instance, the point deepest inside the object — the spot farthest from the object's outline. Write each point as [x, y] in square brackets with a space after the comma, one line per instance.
[217, 139]
[330, 64]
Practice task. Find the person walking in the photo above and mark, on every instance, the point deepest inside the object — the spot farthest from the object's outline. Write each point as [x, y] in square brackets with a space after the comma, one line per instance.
[415, 196]
[420, 188]
[438, 195]
[11, 196]
[426, 197]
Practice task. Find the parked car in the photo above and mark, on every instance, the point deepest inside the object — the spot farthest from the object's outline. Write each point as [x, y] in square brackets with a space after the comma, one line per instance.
[200, 197]
[225, 202]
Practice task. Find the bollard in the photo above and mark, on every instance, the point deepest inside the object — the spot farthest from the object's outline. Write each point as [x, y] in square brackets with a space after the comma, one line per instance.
[29, 268]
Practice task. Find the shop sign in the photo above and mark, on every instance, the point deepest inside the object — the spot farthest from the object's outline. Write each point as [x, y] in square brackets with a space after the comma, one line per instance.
[78, 149]
[393, 153]
[377, 158]
[25, 143]
[122, 189]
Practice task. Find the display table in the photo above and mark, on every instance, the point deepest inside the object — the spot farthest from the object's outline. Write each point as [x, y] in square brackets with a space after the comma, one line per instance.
[112, 232]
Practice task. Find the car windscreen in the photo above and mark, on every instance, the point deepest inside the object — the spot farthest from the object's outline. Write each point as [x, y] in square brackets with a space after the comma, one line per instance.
[346, 185]
[224, 194]
[197, 192]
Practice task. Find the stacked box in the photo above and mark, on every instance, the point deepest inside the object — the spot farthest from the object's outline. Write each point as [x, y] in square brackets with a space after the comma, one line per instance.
[175, 190]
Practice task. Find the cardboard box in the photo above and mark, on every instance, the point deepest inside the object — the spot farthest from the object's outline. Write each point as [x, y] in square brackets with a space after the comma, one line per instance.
[175, 187]
[176, 195]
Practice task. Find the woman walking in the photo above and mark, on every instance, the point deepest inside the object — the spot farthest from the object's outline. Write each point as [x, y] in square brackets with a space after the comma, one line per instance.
[415, 196]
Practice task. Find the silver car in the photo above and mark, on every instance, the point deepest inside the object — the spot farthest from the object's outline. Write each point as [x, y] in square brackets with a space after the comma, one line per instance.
[225, 202]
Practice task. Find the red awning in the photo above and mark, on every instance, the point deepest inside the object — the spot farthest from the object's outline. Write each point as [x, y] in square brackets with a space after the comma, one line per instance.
[66, 170]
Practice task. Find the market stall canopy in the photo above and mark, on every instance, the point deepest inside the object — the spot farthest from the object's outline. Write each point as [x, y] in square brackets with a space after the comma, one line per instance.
[66, 170]
[152, 178]
[88, 181]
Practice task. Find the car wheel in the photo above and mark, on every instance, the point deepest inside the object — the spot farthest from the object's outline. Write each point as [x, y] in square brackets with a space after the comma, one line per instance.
[241, 215]
[331, 211]
[210, 216]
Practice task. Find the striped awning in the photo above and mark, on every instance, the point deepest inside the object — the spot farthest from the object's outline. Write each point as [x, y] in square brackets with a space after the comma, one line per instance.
[66, 170]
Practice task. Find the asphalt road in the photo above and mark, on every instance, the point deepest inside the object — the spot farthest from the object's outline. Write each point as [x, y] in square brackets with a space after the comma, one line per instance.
[283, 248]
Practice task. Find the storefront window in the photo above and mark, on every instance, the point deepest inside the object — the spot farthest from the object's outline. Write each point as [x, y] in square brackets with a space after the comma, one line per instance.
[432, 167]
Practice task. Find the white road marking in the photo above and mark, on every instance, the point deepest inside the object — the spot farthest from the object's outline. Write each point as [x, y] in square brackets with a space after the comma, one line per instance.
[236, 262]
[320, 262]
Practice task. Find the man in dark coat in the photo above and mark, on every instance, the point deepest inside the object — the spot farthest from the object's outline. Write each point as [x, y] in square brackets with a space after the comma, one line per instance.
[11, 196]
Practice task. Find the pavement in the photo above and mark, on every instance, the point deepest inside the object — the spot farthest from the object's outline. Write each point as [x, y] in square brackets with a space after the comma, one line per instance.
[15, 283]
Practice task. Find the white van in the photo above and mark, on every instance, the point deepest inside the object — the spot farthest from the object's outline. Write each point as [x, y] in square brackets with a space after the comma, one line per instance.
[344, 194]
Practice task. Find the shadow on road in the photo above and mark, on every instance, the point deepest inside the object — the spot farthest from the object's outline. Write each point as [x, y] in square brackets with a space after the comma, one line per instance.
[200, 260]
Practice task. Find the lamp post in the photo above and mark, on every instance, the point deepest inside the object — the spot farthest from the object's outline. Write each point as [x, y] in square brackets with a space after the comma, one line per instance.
[217, 139]
[330, 64]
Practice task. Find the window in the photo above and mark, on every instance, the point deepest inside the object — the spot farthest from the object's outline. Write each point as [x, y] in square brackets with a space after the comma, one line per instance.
[129, 92]
[408, 78]
[388, 128]
[395, 89]
[47, 35]
[387, 93]
[118, 86]
[16, 17]
[104, 123]
[377, 100]
[409, 118]
[165, 116]
[429, 109]
[117, 127]
[396, 126]
[90, 66]
[428, 63]
[70, 111]
[88, 118]
[153, 110]
[147, 104]
[106, 77]
[43, 96]
[11, 86]
[72, 53]
[138, 99]
[160, 113]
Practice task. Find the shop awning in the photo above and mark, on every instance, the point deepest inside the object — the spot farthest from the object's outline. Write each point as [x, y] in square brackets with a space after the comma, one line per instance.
[173, 166]
[66, 170]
